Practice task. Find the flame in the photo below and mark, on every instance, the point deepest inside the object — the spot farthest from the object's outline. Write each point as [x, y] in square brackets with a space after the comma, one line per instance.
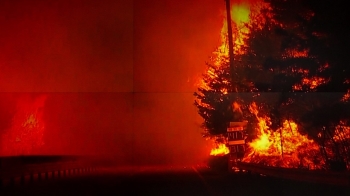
[311, 83]
[297, 53]
[342, 132]
[284, 147]
[346, 96]
[337, 147]
[240, 14]
[220, 150]
[236, 107]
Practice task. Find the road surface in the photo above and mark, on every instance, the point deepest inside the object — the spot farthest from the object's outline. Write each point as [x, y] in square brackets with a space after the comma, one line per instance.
[190, 180]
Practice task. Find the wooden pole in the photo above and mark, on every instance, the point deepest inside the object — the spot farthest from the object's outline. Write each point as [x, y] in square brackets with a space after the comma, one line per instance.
[230, 38]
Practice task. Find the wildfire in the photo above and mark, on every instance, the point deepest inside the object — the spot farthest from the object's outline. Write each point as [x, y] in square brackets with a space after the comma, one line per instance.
[284, 147]
[296, 53]
[346, 96]
[312, 83]
[240, 14]
[219, 150]
[342, 132]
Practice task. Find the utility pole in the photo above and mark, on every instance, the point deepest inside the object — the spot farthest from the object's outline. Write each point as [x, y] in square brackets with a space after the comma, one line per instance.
[230, 38]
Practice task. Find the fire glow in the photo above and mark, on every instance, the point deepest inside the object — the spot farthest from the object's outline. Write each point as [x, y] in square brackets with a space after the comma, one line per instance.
[239, 15]
[25, 136]
[284, 146]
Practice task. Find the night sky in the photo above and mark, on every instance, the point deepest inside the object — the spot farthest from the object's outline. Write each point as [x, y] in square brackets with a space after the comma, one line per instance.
[119, 75]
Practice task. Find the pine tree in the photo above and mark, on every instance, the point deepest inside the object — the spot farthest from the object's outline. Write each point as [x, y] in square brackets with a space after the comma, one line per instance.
[213, 100]
[318, 28]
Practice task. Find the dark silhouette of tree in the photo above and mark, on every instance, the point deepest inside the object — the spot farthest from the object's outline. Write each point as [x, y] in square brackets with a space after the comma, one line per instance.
[318, 28]
[212, 100]
[215, 99]
[300, 52]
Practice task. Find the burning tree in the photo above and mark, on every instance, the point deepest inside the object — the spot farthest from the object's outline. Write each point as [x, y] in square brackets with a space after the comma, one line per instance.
[215, 104]
[213, 100]
[217, 95]
[299, 64]
[316, 46]
[284, 49]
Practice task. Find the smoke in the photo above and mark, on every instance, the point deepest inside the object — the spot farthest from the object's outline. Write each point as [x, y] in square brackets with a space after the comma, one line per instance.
[119, 75]
[66, 46]
[166, 131]
[172, 42]
[88, 123]
[125, 128]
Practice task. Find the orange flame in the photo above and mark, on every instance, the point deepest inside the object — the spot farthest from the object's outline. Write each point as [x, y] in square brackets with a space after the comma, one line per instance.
[219, 150]
[240, 14]
[284, 147]
[342, 132]
[346, 96]
[312, 83]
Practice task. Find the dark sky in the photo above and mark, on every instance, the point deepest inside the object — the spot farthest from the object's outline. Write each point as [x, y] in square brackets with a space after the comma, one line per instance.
[119, 75]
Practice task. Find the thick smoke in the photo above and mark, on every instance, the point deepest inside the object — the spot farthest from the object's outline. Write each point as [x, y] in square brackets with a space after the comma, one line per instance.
[119, 75]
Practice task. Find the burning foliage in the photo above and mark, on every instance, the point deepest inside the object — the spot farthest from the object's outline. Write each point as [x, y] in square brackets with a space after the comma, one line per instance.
[284, 147]
[273, 53]
[213, 98]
